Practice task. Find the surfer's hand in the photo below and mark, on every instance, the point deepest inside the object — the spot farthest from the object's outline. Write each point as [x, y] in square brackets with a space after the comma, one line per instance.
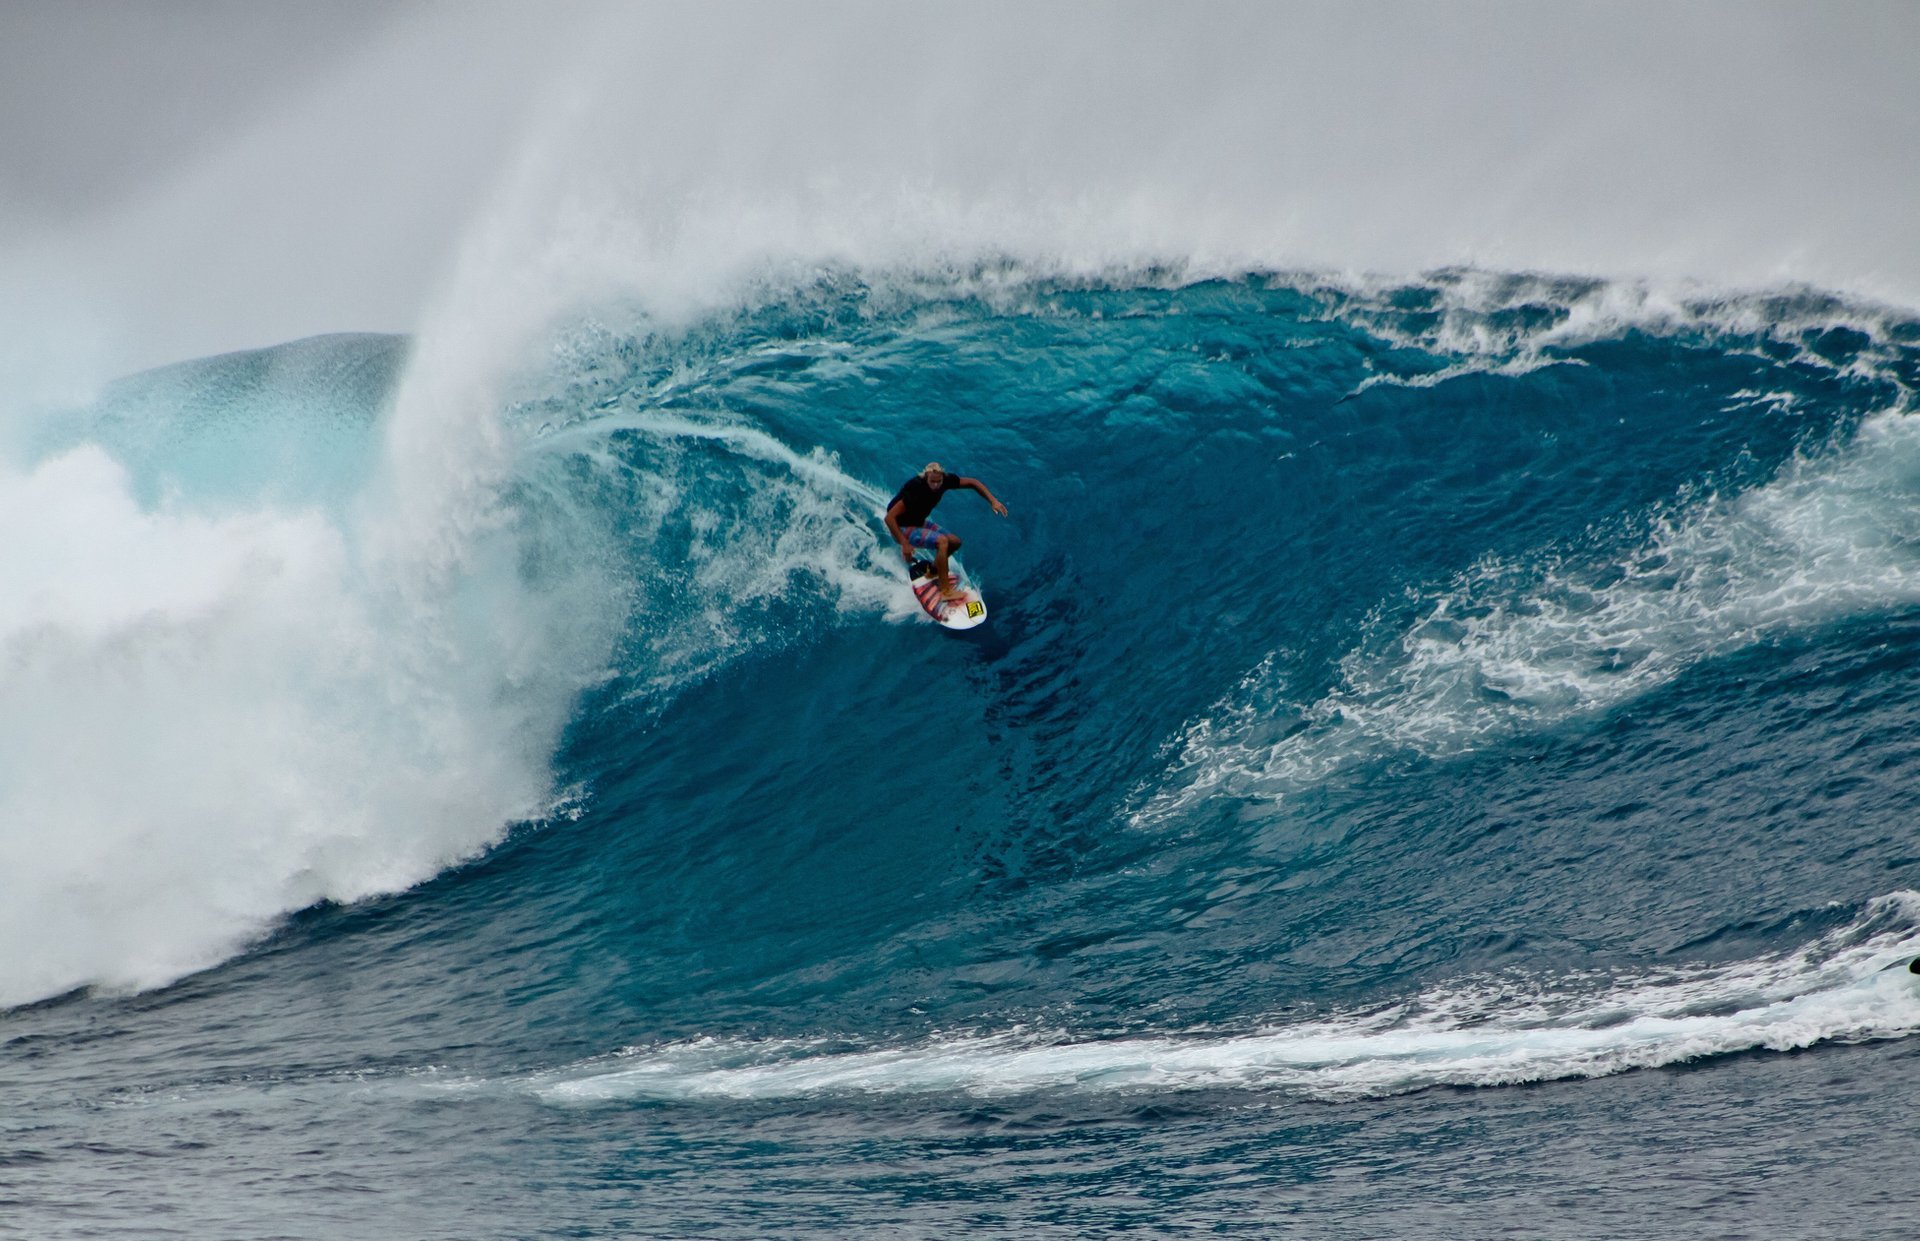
[999, 508]
[906, 553]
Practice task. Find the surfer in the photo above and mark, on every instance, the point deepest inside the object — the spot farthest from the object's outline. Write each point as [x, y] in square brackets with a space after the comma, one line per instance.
[907, 518]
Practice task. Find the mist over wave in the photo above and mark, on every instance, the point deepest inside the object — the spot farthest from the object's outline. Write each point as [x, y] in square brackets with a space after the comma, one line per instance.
[674, 147]
[233, 690]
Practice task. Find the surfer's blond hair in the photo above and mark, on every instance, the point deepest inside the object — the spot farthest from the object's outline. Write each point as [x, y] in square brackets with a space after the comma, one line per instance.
[931, 467]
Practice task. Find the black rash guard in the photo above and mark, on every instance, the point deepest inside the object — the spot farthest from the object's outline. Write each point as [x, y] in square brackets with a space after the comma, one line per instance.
[917, 498]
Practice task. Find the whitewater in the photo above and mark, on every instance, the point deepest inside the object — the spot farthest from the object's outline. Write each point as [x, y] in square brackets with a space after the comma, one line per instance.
[1440, 762]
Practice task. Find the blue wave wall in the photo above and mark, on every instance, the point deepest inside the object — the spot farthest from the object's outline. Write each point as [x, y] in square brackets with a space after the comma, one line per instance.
[1353, 646]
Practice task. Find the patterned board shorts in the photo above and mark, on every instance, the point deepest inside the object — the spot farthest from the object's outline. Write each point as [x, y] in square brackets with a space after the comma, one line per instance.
[927, 536]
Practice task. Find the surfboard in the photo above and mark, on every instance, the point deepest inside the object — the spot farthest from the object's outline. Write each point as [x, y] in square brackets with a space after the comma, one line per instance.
[962, 613]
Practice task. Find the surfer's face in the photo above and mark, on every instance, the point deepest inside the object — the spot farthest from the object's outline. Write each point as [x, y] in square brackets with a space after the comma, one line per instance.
[936, 480]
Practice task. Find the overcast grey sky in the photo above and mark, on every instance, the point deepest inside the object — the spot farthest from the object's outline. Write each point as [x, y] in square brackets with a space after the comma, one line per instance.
[202, 175]
[100, 97]
[188, 177]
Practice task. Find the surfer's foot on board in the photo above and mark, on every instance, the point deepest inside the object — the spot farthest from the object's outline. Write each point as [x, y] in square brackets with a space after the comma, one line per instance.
[951, 590]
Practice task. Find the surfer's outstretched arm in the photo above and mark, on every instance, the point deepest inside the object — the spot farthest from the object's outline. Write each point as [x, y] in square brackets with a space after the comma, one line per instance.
[974, 484]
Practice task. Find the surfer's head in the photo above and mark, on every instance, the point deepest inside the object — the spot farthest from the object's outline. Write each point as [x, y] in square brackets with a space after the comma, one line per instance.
[933, 474]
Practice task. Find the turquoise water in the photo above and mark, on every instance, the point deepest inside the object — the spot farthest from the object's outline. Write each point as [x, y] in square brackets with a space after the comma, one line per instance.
[1440, 763]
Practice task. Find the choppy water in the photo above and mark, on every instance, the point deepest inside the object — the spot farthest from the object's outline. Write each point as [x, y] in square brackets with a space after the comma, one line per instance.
[1441, 763]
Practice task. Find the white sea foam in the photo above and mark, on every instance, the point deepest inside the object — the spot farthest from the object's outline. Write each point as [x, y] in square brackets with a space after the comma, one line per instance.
[1510, 647]
[1850, 985]
[209, 720]
[1505, 323]
[745, 486]
[215, 710]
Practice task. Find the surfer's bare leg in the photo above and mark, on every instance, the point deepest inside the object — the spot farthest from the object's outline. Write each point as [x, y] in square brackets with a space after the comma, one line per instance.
[947, 545]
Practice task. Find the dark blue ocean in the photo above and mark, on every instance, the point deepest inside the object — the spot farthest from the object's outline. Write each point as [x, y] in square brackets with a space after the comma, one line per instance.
[1444, 761]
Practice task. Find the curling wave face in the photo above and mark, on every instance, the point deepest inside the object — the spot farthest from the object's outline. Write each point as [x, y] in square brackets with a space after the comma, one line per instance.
[1319, 600]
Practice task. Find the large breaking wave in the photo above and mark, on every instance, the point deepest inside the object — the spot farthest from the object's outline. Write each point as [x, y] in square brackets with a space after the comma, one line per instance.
[319, 623]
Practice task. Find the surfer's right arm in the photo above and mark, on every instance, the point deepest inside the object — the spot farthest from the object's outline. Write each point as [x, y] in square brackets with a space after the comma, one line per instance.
[893, 527]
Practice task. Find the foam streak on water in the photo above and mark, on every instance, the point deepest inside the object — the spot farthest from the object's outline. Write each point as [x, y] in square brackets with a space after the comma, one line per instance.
[1511, 647]
[1848, 986]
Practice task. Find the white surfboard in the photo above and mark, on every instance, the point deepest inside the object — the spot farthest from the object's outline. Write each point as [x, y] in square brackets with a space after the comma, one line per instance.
[962, 613]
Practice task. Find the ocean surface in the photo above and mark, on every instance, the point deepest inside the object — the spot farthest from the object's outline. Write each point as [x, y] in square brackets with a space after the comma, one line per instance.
[1444, 761]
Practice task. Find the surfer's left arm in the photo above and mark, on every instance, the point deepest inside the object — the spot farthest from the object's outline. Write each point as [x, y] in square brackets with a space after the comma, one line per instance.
[974, 484]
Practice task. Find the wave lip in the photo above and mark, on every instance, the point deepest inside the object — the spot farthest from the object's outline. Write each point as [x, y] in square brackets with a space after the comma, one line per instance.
[1841, 988]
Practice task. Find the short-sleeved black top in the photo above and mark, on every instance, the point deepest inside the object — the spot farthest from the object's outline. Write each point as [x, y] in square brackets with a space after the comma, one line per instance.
[917, 498]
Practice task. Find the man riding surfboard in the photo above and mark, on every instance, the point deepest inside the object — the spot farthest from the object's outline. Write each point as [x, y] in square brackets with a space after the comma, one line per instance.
[907, 518]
